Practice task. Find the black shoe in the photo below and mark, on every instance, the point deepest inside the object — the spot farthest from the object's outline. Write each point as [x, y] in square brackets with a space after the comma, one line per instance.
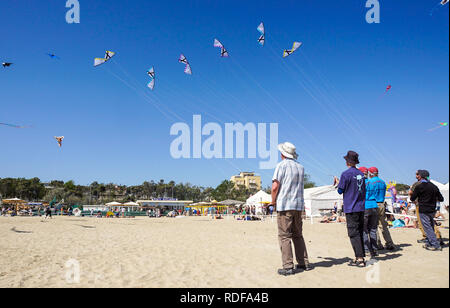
[374, 254]
[442, 243]
[380, 247]
[422, 241]
[431, 248]
[286, 272]
[303, 267]
[391, 248]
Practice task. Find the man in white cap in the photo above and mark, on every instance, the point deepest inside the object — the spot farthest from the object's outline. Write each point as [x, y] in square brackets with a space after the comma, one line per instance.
[287, 199]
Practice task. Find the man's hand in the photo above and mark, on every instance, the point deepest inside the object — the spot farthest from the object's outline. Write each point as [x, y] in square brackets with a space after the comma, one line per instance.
[335, 181]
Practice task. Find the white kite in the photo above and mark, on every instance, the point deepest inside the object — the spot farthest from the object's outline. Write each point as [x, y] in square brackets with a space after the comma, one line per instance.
[151, 73]
[262, 37]
[187, 68]
[223, 51]
[295, 46]
[108, 55]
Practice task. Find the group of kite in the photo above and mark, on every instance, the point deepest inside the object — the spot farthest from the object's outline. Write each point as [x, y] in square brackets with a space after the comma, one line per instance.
[187, 67]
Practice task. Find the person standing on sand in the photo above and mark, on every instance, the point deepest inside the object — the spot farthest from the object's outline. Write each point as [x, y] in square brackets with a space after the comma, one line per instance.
[352, 185]
[375, 193]
[427, 195]
[288, 201]
[380, 195]
[426, 174]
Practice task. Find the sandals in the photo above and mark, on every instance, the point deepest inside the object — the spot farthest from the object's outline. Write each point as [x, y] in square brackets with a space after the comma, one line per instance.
[357, 263]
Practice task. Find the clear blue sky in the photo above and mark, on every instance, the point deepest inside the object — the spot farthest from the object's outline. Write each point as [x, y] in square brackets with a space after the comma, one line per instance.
[331, 90]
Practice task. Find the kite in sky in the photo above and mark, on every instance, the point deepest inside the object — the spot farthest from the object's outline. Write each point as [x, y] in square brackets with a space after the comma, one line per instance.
[388, 88]
[262, 37]
[442, 124]
[13, 125]
[151, 73]
[442, 3]
[53, 56]
[187, 68]
[59, 140]
[223, 51]
[108, 55]
[295, 46]
[6, 64]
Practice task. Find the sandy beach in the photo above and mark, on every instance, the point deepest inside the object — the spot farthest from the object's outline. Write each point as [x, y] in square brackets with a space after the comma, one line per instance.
[199, 252]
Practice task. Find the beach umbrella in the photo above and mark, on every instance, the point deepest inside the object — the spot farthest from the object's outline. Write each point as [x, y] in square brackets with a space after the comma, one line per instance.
[113, 204]
[131, 204]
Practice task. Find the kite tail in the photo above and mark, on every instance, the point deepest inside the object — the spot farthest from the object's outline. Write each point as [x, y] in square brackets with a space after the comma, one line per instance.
[434, 8]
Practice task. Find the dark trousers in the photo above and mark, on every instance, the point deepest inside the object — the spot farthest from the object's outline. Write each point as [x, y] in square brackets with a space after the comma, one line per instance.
[370, 229]
[290, 230]
[427, 220]
[355, 229]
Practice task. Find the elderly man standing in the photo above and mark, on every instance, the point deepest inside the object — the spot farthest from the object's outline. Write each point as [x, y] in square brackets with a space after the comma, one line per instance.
[352, 185]
[426, 175]
[427, 195]
[287, 198]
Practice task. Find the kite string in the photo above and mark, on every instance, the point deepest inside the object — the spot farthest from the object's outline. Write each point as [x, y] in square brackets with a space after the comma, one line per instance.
[289, 114]
[356, 130]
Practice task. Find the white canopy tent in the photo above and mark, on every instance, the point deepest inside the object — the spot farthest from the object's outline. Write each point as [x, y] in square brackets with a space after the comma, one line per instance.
[113, 204]
[258, 200]
[443, 188]
[321, 198]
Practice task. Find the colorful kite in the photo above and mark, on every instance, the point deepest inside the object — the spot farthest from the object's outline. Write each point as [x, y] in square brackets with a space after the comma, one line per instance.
[6, 64]
[187, 68]
[295, 46]
[108, 55]
[441, 124]
[151, 73]
[59, 140]
[13, 125]
[388, 88]
[223, 51]
[262, 37]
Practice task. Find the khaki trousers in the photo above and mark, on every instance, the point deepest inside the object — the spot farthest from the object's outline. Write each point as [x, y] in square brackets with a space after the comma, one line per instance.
[290, 229]
[436, 227]
[383, 226]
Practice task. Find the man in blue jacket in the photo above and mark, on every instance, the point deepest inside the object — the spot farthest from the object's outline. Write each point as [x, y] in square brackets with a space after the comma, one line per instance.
[379, 196]
[375, 193]
[352, 185]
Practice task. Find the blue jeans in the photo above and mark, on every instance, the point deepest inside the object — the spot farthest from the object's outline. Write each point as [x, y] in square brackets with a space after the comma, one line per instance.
[370, 230]
[427, 220]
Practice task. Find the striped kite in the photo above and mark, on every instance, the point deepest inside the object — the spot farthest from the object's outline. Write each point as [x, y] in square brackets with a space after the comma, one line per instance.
[108, 55]
[262, 37]
[295, 46]
[151, 73]
[223, 51]
[187, 68]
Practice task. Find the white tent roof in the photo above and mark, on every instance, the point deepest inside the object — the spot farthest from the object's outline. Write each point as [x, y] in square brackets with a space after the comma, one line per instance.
[444, 191]
[439, 185]
[260, 196]
[113, 204]
[319, 198]
[131, 204]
